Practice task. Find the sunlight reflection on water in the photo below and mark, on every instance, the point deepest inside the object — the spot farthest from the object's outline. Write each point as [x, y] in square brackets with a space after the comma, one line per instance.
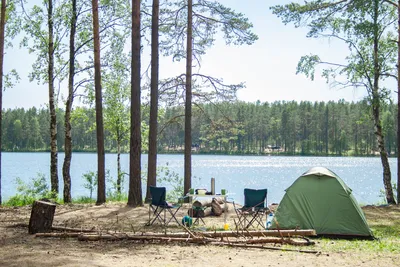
[362, 175]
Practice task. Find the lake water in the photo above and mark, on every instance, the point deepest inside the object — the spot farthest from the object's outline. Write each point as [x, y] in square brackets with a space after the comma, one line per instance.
[362, 175]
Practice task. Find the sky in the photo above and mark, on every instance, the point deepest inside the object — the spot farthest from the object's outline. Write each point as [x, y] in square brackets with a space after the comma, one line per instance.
[268, 67]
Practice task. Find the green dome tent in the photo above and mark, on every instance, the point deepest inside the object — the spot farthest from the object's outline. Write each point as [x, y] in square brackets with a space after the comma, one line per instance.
[320, 200]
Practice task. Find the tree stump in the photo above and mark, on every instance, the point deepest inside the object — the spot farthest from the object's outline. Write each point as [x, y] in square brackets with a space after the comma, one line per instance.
[42, 216]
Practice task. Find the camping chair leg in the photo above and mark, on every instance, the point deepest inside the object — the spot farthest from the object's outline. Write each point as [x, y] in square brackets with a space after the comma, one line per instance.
[198, 219]
[173, 216]
[157, 215]
[253, 218]
[257, 217]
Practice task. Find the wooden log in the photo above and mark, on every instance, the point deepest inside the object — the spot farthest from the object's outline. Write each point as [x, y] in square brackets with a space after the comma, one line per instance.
[58, 235]
[218, 208]
[92, 237]
[261, 233]
[207, 202]
[42, 216]
[264, 247]
[279, 241]
[187, 239]
[199, 212]
[69, 229]
[201, 203]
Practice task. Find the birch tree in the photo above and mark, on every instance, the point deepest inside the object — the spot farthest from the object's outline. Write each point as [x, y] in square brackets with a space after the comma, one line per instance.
[367, 28]
[47, 30]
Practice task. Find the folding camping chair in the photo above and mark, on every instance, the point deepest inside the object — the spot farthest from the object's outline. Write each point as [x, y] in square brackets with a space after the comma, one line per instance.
[254, 208]
[159, 205]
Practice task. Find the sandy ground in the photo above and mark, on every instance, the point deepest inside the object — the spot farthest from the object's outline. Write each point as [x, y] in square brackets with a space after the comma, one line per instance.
[18, 248]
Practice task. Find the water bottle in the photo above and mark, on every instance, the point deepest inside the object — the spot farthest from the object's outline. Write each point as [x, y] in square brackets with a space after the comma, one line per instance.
[270, 217]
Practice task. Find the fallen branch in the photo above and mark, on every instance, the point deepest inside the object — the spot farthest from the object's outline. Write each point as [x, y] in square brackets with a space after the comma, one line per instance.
[116, 237]
[262, 233]
[264, 247]
[276, 241]
[58, 235]
[69, 229]
[88, 237]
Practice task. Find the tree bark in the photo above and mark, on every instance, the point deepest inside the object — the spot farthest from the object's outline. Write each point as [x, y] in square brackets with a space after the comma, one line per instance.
[101, 183]
[188, 102]
[152, 157]
[376, 115]
[119, 173]
[398, 102]
[68, 108]
[2, 29]
[53, 117]
[135, 182]
[42, 215]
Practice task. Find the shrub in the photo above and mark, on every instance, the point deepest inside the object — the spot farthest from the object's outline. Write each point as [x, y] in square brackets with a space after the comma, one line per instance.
[28, 193]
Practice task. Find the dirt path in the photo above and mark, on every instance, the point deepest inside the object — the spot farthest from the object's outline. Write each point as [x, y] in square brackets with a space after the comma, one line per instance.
[17, 248]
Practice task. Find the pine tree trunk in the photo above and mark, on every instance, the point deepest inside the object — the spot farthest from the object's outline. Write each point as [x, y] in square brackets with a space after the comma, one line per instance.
[101, 183]
[152, 157]
[188, 102]
[53, 117]
[135, 182]
[398, 103]
[2, 28]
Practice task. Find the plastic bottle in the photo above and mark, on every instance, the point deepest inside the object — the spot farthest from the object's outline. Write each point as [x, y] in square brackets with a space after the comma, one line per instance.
[270, 217]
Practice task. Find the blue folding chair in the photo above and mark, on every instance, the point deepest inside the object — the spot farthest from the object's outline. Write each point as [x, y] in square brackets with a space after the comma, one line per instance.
[159, 207]
[254, 209]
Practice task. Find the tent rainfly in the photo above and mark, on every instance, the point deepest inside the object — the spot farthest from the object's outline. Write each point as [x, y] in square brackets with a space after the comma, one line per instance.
[320, 200]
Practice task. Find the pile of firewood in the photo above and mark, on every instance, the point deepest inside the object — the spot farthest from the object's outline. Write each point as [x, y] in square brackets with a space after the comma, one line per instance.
[208, 207]
[251, 239]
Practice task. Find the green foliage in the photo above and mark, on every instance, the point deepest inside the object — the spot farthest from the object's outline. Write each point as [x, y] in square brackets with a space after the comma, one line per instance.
[361, 25]
[384, 223]
[383, 195]
[307, 65]
[172, 179]
[28, 193]
[90, 182]
[319, 128]
[112, 192]
[84, 200]
[166, 176]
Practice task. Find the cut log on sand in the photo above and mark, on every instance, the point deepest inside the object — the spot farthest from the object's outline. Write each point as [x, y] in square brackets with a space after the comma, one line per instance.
[41, 217]
[207, 202]
[199, 212]
[217, 207]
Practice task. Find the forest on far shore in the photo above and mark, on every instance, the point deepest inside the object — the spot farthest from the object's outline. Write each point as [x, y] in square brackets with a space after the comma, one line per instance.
[289, 128]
